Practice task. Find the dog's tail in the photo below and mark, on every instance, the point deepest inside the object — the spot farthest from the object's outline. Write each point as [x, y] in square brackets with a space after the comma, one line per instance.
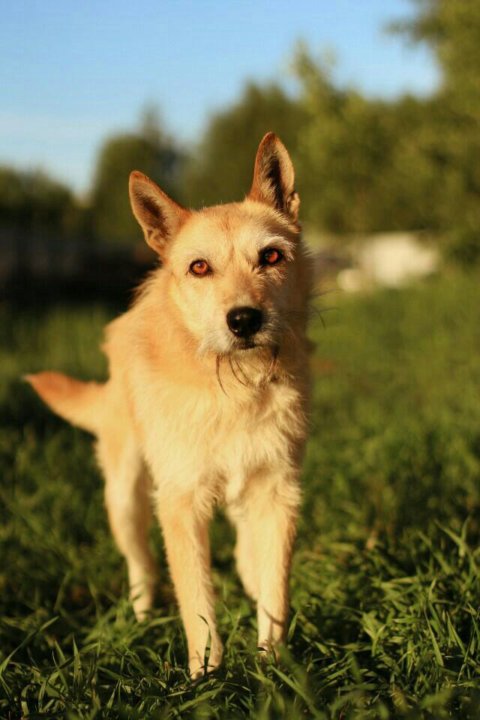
[78, 402]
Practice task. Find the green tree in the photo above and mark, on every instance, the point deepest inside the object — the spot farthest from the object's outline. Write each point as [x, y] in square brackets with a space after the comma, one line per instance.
[362, 165]
[407, 164]
[452, 30]
[221, 168]
[149, 150]
[31, 201]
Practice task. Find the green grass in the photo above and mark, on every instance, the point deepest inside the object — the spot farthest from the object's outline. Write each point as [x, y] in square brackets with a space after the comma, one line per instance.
[385, 583]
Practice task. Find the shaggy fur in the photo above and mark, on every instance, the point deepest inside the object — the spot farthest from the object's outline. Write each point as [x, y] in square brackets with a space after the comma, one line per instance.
[196, 413]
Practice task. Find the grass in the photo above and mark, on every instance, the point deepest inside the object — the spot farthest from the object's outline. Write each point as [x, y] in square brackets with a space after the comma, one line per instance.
[385, 583]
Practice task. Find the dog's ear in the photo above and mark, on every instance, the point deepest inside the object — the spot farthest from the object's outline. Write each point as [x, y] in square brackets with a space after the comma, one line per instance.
[159, 216]
[274, 177]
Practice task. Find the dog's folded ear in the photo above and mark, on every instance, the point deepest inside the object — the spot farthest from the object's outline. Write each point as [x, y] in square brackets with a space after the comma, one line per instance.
[159, 216]
[274, 177]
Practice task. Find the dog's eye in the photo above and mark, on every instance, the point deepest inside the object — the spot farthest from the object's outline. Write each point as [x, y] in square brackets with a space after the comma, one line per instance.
[270, 256]
[200, 268]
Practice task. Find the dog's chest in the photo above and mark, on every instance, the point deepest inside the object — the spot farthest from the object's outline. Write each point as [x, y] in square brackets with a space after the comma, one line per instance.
[215, 442]
[255, 438]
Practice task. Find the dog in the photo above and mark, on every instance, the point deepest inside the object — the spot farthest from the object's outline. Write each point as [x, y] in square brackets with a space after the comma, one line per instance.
[207, 398]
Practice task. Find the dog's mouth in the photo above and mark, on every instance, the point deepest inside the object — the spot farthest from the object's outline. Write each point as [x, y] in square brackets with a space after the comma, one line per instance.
[224, 344]
[247, 344]
[267, 338]
[257, 342]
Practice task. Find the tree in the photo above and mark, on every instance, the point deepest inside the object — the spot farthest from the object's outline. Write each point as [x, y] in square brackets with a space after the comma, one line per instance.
[31, 201]
[149, 150]
[220, 170]
[452, 30]
[407, 164]
[364, 164]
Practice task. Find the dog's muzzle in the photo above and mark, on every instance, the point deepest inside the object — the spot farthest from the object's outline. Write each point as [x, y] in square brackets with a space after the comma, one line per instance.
[244, 322]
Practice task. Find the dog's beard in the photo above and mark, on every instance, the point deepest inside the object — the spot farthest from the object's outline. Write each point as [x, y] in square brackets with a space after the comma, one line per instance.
[246, 370]
[250, 362]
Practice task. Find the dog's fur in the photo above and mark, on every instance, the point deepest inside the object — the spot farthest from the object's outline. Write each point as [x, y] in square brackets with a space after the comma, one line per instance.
[194, 414]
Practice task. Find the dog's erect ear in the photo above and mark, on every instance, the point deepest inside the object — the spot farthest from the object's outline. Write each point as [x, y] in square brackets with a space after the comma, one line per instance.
[159, 216]
[274, 177]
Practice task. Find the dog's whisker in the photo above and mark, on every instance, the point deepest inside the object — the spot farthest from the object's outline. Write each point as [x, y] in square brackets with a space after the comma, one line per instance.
[218, 361]
[319, 311]
[312, 310]
[316, 294]
[248, 382]
[234, 372]
[273, 363]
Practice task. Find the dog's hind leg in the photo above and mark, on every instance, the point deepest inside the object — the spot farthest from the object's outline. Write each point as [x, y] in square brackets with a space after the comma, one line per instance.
[130, 514]
[185, 529]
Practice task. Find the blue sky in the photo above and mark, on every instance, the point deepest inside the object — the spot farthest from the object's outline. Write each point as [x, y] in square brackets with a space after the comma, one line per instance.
[72, 73]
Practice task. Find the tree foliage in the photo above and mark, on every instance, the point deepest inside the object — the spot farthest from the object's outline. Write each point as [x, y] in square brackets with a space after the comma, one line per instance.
[452, 30]
[363, 165]
[31, 201]
[220, 169]
[149, 150]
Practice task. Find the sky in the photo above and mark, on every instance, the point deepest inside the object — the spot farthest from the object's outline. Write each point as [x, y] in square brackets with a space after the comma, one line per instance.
[73, 73]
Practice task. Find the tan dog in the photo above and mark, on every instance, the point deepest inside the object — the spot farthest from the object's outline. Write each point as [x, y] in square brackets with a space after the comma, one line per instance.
[206, 400]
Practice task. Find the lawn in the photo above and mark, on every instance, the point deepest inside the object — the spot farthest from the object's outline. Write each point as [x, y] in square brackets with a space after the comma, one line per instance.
[385, 585]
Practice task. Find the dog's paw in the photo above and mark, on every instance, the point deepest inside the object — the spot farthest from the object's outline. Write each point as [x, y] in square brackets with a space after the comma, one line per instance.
[199, 665]
[267, 652]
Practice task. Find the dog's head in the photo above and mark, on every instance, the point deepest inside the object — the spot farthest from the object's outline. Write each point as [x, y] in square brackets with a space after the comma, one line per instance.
[233, 269]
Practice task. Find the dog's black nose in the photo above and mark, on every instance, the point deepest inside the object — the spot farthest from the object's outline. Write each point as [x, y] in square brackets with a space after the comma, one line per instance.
[244, 321]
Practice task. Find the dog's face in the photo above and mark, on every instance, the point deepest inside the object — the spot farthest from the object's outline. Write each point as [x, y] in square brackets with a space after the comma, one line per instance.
[231, 267]
[230, 277]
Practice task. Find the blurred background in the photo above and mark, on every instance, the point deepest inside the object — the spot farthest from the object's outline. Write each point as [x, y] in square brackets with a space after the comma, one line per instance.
[378, 103]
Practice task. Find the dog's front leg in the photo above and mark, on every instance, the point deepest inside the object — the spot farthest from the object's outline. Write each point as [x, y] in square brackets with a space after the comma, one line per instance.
[272, 513]
[185, 531]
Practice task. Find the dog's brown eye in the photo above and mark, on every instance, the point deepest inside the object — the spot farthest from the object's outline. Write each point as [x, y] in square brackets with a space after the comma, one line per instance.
[200, 268]
[270, 256]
